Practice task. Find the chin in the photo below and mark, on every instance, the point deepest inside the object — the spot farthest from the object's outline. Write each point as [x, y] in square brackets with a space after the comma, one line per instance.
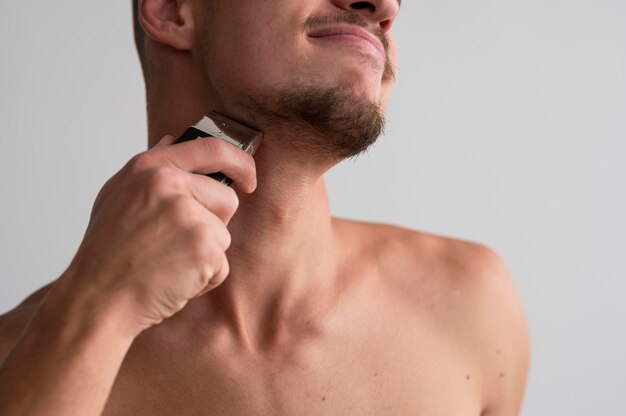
[362, 86]
[335, 118]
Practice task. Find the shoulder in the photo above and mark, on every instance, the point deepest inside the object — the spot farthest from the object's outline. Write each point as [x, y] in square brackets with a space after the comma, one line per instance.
[415, 255]
[487, 318]
[468, 292]
[13, 322]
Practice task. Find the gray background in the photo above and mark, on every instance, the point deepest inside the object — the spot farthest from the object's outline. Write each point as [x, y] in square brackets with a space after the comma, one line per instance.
[506, 126]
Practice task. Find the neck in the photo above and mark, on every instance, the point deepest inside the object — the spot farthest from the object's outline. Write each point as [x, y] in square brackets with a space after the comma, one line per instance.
[284, 256]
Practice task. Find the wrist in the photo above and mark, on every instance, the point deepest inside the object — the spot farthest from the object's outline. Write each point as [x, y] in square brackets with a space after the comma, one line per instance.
[84, 308]
[68, 357]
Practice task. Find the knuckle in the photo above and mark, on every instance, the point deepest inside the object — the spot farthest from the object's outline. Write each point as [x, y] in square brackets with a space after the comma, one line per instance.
[140, 163]
[226, 239]
[230, 200]
[221, 272]
[218, 148]
[182, 210]
[199, 238]
[206, 255]
[206, 273]
[165, 179]
[209, 257]
[204, 239]
[222, 237]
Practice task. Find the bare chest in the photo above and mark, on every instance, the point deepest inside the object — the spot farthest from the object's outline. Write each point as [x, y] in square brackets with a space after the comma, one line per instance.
[388, 373]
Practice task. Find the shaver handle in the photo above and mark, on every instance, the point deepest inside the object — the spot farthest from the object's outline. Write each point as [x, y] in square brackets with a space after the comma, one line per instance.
[193, 133]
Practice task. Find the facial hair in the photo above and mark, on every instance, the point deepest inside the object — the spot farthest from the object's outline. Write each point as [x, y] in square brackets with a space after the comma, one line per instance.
[339, 124]
[327, 121]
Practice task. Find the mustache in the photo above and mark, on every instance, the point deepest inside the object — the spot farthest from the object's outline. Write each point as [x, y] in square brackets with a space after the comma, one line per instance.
[313, 22]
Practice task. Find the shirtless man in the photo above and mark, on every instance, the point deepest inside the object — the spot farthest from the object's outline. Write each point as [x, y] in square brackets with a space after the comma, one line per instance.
[187, 297]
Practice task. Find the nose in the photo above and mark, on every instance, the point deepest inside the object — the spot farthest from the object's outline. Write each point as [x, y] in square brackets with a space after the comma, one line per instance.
[381, 12]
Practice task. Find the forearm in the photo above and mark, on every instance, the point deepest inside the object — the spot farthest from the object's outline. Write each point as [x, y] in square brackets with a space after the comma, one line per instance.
[67, 359]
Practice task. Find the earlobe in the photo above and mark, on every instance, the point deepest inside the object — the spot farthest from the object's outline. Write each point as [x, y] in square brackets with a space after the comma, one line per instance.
[169, 22]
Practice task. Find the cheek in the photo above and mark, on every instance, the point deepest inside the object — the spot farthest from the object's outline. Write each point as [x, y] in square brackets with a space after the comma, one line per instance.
[246, 62]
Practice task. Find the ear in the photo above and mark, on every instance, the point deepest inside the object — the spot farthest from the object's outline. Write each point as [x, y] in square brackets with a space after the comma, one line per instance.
[169, 22]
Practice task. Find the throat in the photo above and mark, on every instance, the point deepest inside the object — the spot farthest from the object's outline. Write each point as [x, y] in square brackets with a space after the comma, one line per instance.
[284, 263]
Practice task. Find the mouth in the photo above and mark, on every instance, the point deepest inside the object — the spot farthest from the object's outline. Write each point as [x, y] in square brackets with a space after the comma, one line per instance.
[349, 33]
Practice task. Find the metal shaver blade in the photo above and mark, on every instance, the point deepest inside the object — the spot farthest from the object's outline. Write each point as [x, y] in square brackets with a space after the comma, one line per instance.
[217, 125]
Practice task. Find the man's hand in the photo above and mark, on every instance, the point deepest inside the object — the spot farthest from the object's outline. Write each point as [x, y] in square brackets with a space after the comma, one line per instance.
[157, 235]
[157, 238]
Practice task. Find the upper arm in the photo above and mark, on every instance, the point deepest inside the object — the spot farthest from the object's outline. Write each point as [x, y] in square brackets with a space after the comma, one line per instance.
[478, 306]
[11, 328]
[498, 332]
[14, 322]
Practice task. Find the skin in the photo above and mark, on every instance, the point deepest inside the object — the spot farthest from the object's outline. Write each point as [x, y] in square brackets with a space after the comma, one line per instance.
[190, 297]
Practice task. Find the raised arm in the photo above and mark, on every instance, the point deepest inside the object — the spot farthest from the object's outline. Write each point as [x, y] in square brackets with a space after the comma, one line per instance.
[156, 239]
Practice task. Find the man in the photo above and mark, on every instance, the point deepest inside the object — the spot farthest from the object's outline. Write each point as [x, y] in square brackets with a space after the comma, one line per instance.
[190, 297]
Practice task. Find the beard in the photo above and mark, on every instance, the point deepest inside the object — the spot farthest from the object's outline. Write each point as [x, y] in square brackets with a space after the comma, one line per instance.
[328, 122]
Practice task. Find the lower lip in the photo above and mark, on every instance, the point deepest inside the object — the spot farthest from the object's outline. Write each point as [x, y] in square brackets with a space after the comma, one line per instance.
[350, 40]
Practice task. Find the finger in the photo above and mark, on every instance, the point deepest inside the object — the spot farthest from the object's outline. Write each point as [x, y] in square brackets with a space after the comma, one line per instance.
[214, 196]
[166, 140]
[210, 155]
[217, 279]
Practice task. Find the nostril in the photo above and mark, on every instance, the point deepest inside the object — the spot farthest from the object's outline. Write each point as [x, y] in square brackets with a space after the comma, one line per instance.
[359, 5]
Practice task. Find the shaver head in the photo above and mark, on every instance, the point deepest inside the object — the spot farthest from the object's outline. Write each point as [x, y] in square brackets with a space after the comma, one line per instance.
[237, 134]
[231, 131]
